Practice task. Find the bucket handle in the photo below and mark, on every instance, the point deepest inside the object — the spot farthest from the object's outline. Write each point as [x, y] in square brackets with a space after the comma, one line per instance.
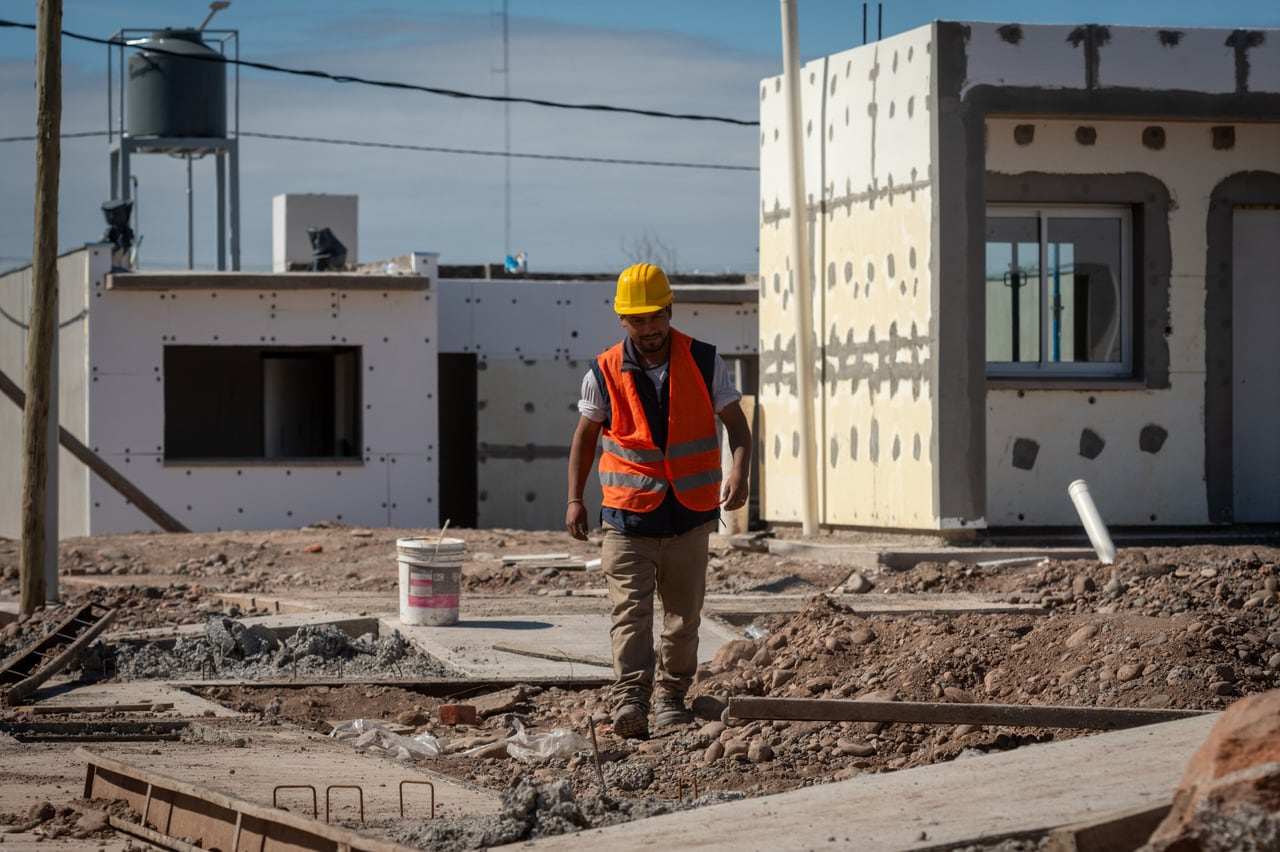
[440, 540]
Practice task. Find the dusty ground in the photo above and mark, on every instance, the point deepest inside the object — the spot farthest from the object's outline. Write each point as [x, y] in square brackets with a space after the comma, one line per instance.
[1193, 627]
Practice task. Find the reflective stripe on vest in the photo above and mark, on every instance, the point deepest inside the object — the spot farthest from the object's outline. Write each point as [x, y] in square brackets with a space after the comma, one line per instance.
[634, 473]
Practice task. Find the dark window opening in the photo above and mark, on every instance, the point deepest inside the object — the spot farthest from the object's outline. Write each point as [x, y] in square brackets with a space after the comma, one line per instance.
[459, 425]
[264, 403]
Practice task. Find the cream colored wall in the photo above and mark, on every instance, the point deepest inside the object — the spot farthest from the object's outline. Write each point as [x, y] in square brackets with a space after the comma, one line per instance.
[74, 271]
[868, 161]
[1129, 485]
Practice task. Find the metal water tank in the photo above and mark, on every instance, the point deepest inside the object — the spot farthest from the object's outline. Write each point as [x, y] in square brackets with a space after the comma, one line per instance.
[173, 94]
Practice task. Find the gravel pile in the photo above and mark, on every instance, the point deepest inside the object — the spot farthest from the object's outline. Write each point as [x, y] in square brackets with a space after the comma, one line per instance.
[229, 649]
[531, 809]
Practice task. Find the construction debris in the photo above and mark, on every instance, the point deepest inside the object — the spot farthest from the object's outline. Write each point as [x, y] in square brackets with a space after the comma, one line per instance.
[1170, 629]
[22, 674]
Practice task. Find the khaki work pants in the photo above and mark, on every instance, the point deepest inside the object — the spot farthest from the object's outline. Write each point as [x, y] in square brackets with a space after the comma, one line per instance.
[676, 568]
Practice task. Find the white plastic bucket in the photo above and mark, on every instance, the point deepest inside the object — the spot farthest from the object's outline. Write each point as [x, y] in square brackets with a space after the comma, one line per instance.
[430, 579]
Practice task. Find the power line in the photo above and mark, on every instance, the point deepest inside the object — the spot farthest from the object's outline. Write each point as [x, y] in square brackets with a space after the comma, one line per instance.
[83, 135]
[671, 164]
[482, 153]
[391, 84]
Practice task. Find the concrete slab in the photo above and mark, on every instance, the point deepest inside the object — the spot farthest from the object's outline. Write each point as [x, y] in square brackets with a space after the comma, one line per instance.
[185, 705]
[283, 625]
[468, 645]
[1028, 789]
[9, 609]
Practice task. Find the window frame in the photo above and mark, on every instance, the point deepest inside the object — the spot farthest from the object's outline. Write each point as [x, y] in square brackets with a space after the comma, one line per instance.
[184, 365]
[1043, 368]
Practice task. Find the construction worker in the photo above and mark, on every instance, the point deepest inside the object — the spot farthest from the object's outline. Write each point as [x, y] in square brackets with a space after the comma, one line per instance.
[655, 396]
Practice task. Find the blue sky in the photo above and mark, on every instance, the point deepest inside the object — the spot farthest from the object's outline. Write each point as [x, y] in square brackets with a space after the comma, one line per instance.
[696, 56]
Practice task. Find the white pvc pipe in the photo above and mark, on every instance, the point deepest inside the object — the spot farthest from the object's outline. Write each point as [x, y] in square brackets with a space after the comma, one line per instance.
[1093, 525]
[800, 268]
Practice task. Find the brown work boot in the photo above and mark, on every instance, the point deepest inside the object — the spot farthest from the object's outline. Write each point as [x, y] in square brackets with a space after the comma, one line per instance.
[669, 711]
[631, 721]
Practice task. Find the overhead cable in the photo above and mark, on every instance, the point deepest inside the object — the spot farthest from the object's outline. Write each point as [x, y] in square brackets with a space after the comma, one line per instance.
[391, 84]
[433, 149]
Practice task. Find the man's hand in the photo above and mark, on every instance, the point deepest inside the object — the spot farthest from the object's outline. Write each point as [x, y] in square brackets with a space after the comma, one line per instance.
[575, 520]
[735, 491]
[582, 454]
[736, 486]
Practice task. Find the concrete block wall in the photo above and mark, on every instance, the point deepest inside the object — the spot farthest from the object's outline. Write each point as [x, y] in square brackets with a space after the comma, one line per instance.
[76, 269]
[533, 341]
[1180, 126]
[1135, 480]
[868, 165]
[394, 483]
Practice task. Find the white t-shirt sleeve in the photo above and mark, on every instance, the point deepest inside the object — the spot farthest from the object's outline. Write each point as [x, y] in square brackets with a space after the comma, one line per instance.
[591, 405]
[722, 390]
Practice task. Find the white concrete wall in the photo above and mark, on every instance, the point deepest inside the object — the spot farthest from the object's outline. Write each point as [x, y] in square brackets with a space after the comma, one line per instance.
[75, 270]
[292, 214]
[868, 163]
[1129, 485]
[395, 484]
[533, 342]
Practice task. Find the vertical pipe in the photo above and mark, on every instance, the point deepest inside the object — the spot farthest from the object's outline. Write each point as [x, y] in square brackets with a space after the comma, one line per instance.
[800, 266]
[220, 157]
[879, 21]
[506, 124]
[235, 205]
[137, 224]
[191, 212]
[1092, 520]
[864, 23]
[235, 172]
[111, 118]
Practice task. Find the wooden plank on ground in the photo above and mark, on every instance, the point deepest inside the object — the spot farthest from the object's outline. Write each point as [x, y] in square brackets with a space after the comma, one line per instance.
[887, 555]
[51, 709]
[552, 654]
[744, 607]
[931, 713]
[1118, 832]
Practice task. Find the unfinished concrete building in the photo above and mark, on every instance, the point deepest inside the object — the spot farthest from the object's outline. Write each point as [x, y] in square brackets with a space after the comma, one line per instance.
[1039, 253]
[261, 401]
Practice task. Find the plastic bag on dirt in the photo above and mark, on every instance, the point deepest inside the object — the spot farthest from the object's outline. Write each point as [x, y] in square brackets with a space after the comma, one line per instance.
[558, 742]
[374, 738]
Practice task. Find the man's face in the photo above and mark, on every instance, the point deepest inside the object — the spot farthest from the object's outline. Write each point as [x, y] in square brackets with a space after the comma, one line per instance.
[649, 332]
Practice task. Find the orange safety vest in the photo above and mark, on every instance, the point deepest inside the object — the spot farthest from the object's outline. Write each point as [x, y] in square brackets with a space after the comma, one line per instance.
[634, 472]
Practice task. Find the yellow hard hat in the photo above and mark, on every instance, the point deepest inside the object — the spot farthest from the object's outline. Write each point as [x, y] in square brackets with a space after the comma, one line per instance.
[642, 289]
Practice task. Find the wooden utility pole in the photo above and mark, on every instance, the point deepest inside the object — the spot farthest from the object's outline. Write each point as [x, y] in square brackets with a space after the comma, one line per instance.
[44, 296]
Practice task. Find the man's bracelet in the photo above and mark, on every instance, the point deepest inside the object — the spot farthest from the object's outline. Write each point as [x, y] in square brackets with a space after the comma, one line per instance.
[575, 500]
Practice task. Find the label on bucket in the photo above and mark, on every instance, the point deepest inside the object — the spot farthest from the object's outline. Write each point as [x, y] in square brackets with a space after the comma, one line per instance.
[433, 589]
